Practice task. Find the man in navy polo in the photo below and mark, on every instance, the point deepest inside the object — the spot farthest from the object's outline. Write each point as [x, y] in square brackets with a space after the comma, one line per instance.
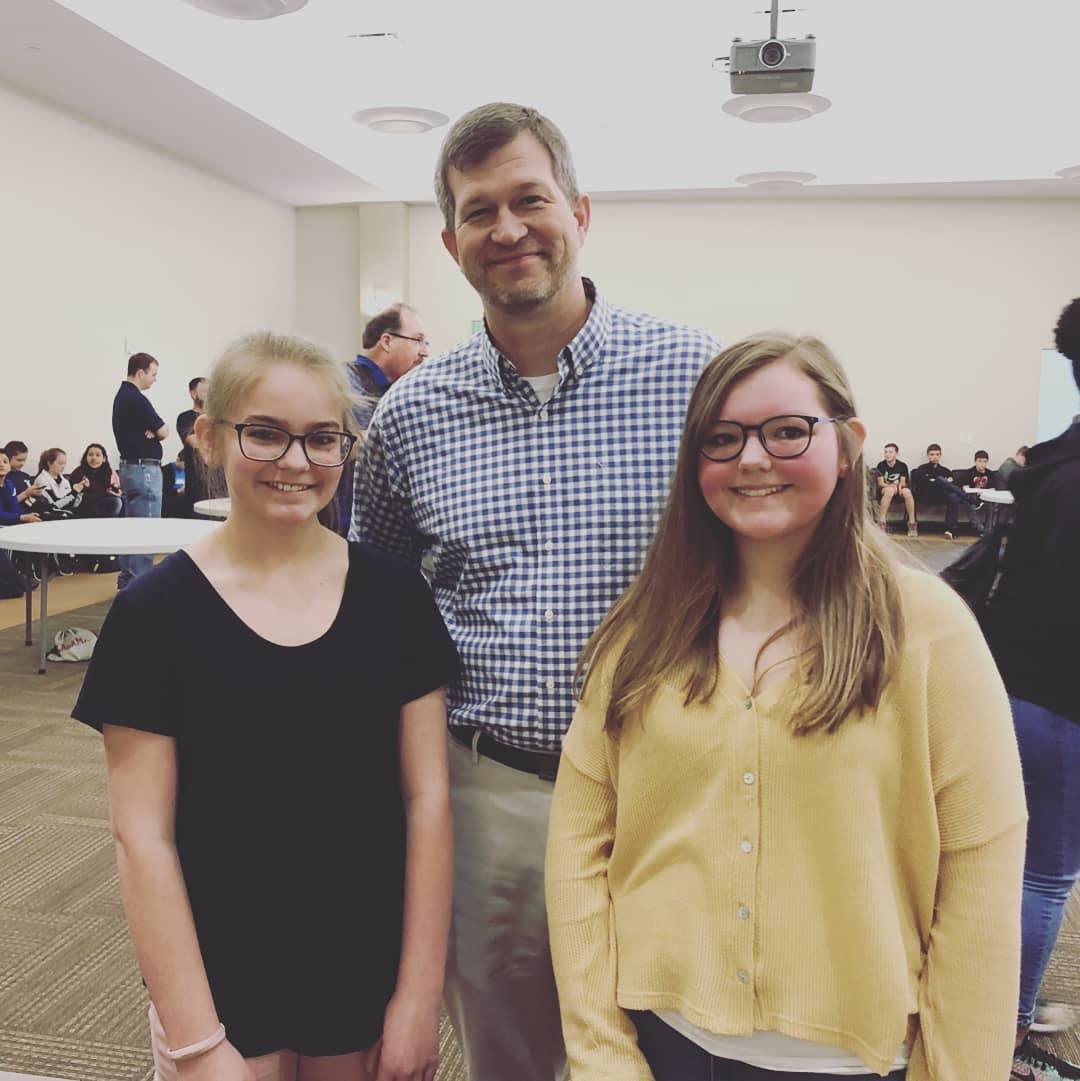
[138, 431]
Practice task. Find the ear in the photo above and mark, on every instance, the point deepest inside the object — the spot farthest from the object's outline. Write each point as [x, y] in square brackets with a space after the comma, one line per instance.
[204, 434]
[449, 239]
[857, 439]
[582, 210]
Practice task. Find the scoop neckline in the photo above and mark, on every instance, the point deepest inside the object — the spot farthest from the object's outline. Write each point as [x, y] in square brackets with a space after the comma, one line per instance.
[245, 626]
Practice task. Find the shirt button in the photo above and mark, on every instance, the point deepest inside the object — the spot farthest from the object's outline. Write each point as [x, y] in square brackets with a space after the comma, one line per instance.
[743, 912]
[746, 846]
[551, 683]
[748, 778]
[542, 414]
[549, 546]
[545, 479]
[549, 615]
[749, 703]
[742, 976]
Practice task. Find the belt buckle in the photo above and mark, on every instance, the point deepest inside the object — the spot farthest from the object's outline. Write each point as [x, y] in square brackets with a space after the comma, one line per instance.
[549, 769]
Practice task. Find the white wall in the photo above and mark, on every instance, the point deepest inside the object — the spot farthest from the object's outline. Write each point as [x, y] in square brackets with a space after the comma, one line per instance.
[938, 308]
[111, 247]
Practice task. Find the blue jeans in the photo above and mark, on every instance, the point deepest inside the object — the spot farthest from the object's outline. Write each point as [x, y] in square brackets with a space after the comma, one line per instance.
[672, 1057]
[142, 499]
[1050, 757]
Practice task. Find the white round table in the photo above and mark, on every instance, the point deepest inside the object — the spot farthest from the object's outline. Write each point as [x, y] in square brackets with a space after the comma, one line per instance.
[213, 508]
[996, 498]
[95, 537]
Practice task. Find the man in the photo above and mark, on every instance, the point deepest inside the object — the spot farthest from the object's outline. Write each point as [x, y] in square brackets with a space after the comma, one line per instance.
[892, 480]
[1011, 465]
[933, 483]
[981, 476]
[529, 466]
[194, 469]
[394, 343]
[138, 432]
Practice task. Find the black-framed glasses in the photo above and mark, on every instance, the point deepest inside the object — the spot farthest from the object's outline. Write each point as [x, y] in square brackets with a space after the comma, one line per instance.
[266, 443]
[786, 436]
[419, 339]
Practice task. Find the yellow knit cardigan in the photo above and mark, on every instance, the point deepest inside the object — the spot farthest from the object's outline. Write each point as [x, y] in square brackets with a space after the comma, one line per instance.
[857, 889]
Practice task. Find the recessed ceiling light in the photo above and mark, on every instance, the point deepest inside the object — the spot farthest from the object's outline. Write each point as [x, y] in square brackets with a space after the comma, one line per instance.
[248, 9]
[775, 108]
[776, 180]
[1071, 173]
[401, 119]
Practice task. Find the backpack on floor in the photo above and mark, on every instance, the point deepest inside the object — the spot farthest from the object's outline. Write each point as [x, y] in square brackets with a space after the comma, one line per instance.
[72, 644]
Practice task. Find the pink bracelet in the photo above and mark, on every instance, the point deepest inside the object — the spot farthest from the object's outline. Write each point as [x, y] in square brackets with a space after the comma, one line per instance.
[193, 1050]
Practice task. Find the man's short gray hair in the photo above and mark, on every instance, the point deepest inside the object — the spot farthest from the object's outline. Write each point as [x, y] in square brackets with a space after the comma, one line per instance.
[488, 128]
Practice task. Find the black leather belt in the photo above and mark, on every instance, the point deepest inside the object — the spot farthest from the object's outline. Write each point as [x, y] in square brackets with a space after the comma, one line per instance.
[545, 764]
[140, 461]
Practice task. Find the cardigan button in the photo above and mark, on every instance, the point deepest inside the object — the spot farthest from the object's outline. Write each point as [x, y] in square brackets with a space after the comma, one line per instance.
[749, 703]
[742, 976]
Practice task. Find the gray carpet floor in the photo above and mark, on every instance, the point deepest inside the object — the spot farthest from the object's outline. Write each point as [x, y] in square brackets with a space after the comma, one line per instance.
[71, 1001]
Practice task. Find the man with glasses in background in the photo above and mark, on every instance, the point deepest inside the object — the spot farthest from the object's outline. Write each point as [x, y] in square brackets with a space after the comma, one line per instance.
[527, 468]
[394, 343]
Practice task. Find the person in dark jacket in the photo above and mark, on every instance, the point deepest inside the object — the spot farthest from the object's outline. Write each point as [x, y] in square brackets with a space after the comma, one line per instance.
[980, 476]
[1034, 633]
[101, 496]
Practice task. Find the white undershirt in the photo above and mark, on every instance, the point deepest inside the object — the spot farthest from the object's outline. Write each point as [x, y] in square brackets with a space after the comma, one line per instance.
[543, 385]
[775, 1051]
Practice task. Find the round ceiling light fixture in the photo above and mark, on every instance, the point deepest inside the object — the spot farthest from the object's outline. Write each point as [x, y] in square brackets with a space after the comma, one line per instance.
[1071, 173]
[401, 119]
[776, 180]
[248, 9]
[775, 108]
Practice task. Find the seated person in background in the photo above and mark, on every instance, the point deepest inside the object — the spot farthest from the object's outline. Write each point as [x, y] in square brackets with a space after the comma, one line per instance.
[101, 496]
[59, 497]
[935, 485]
[1011, 465]
[16, 451]
[892, 480]
[174, 489]
[981, 476]
[11, 510]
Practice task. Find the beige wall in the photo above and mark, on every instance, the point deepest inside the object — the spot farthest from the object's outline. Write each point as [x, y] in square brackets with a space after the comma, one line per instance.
[938, 308]
[106, 242]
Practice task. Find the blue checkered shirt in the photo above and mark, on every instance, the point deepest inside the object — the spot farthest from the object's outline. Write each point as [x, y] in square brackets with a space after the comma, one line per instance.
[532, 518]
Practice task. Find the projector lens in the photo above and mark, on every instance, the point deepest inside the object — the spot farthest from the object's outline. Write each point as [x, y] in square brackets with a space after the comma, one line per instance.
[772, 53]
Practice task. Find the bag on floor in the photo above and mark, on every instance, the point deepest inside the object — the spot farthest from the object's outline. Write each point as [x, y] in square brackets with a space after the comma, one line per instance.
[72, 644]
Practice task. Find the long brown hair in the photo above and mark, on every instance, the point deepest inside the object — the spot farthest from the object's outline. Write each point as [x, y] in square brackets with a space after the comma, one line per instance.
[847, 607]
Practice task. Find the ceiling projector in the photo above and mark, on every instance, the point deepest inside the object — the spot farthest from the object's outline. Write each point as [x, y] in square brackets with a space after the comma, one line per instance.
[247, 9]
[773, 65]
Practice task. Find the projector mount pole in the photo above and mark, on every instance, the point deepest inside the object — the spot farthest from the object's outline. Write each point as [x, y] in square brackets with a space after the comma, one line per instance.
[774, 19]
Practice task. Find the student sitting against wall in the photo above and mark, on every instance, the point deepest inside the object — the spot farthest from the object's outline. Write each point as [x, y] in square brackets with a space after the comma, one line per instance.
[101, 497]
[59, 497]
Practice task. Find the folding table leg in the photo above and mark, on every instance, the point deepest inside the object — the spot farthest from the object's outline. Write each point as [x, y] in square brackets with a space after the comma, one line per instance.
[43, 613]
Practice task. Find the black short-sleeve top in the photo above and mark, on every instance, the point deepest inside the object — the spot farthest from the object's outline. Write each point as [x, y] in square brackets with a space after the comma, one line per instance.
[289, 819]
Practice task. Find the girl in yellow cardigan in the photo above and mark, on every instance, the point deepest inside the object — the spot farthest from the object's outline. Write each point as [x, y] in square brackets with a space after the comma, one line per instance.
[788, 830]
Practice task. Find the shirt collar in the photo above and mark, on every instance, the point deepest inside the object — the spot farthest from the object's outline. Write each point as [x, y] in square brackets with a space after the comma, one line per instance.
[378, 376]
[574, 359]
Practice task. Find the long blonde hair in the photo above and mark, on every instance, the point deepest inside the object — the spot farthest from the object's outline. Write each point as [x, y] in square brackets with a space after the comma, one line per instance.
[847, 606]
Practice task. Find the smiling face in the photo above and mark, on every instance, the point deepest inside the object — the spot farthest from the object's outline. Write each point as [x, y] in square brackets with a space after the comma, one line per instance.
[94, 458]
[289, 491]
[890, 454]
[516, 236]
[762, 498]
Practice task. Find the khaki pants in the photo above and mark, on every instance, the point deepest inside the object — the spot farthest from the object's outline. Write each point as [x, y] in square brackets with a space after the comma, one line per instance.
[279, 1066]
[500, 989]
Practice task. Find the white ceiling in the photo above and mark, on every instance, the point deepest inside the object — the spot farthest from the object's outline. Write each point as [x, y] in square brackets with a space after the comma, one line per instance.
[928, 96]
